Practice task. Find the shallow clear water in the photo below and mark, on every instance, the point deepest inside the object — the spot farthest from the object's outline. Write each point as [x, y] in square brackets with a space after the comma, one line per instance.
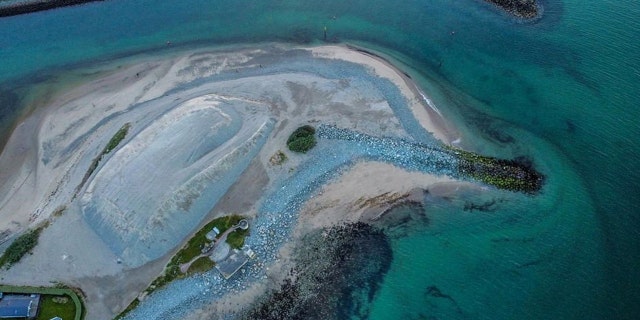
[561, 90]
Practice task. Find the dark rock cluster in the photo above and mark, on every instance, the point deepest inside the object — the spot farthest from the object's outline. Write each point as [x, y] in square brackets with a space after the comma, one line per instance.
[525, 9]
[337, 274]
[516, 175]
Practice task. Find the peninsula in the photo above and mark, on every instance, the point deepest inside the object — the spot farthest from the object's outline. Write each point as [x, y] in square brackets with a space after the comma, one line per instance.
[306, 143]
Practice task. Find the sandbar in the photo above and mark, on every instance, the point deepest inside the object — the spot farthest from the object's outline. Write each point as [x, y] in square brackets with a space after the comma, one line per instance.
[204, 125]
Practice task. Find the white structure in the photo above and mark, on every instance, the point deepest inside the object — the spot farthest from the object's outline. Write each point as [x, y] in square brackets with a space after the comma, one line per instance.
[211, 235]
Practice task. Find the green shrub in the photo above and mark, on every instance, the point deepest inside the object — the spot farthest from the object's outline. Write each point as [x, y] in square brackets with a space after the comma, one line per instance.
[203, 264]
[20, 247]
[115, 140]
[302, 139]
[112, 144]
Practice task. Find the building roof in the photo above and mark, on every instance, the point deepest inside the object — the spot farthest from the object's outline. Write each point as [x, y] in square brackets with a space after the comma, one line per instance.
[18, 306]
[232, 263]
[211, 235]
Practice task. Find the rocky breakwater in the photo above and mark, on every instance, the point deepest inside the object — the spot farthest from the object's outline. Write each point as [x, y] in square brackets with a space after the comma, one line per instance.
[518, 175]
[525, 9]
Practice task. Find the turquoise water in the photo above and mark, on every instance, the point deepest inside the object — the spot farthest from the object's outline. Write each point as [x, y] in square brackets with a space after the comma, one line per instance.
[561, 90]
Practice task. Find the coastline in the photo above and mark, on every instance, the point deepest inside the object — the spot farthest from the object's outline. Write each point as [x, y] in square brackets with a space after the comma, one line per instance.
[81, 131]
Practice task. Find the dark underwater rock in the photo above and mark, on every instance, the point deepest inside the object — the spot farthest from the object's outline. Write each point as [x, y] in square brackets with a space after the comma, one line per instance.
[526, 9]
[337, 274]
[402, 219]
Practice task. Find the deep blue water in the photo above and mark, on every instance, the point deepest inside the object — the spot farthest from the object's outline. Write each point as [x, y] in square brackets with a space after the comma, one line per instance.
[562, 90]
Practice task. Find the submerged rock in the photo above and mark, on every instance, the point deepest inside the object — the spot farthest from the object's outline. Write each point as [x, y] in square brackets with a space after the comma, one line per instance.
[526, 9]
[337, 274]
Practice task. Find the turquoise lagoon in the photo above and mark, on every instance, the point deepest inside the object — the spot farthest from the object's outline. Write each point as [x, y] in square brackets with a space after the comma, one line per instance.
[562, 90]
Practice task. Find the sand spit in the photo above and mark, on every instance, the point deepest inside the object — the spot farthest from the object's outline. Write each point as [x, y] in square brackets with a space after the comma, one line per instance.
[204, 125]
[421, 106]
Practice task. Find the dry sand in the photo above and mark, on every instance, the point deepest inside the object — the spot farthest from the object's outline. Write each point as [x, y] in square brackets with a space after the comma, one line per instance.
[49, 152]
[424, 110]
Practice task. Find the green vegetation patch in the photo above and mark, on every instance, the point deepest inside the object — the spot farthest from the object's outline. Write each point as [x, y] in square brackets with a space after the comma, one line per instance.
[56, 306]
[61, 301]
[192, 249]
[236, 239]
[302, 139]
[134, 304]
[112, 144]
[117, 138]
[514, 175]
[194, 246]
[20, 247]
[203, 264]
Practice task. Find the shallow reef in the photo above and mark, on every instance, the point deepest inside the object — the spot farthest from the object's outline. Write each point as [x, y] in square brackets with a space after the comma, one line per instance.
[525, 9]
[334, 277]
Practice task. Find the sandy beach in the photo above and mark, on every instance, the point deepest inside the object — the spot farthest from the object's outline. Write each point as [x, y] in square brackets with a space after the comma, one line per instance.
[204, 126]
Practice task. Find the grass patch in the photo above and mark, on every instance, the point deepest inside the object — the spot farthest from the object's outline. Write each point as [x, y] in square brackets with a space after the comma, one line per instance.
[236, 238]
[56, 306]
[192, 249]
[302, 139]
[112, 144]
[134, 304]
[65, 299]
[194, 246]
[117, 138]
[20, 247]
[203, 264]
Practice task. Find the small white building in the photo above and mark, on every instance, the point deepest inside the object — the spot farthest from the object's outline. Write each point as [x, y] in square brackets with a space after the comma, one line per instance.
[211, 235]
